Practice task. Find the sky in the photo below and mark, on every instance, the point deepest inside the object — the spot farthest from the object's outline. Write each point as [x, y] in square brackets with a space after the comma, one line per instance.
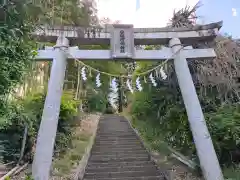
[226, 10]
[156, 13]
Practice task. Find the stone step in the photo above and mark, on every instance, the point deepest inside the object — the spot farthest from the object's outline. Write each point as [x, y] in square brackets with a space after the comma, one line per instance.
[118, 130]
[112, 126]
[118, 143]
[117, 139]
[118, 159]
[133, 146]
[110, 138]
[119, 156]
[115, 153]
[107, 139]
[132, 178]
[121, 169]
[109, 123]
[116, 149]
[116, 135]
[123, 175]
[119, 152]
[119, 164]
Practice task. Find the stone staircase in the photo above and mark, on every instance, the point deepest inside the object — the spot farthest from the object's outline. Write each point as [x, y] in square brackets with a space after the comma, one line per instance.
[118, 154]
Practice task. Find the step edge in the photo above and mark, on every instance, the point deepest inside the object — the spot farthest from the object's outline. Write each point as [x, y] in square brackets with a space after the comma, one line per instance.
[84, 160]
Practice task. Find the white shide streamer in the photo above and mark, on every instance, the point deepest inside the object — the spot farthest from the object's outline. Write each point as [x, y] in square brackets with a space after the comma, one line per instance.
[114, 85]
[129, 86]
[83, 73]
[138, 84]
[163, 74]
[160, 73]
[98, 82]
[152, 80]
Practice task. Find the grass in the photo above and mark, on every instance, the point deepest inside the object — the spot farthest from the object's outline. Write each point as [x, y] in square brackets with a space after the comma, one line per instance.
[161, 152]
[165, 160]
[148, 137]
[65, 166]
[232, 173]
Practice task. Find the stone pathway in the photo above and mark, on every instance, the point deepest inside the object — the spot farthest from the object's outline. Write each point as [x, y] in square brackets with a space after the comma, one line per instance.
[118, 154]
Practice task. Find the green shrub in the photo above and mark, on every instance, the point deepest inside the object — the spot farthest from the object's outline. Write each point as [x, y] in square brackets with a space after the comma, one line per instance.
[28, 112]
[96, 103]
[109, 109]
[12, 129]
[16, 47]
[160, 115]
[224, 126]
[68, 110]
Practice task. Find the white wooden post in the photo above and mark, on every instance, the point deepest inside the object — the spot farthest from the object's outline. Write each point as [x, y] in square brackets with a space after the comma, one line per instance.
[205, 150]
[48, 127]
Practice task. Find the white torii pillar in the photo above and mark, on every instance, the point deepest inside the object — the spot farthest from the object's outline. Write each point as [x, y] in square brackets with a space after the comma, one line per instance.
[49, 123]
[205, 150]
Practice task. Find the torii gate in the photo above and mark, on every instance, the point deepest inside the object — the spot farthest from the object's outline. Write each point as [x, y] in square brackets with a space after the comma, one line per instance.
[122, 39]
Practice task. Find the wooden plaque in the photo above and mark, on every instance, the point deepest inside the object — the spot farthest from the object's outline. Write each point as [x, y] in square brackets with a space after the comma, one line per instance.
[122, 41]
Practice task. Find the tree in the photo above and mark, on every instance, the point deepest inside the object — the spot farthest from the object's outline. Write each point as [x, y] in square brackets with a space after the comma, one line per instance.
[15, 47]
[159, 111]
[218, 75]
[71, 12]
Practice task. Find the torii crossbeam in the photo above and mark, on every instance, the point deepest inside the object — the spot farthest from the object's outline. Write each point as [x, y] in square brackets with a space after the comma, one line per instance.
[151, 55]
[122, 39]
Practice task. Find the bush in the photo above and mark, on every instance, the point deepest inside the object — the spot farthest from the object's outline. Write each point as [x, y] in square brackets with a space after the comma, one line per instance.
[224, 126]
[15, 47]
[12, 129]
[109, 109]
[164, 117]
[68, 110]
[28, 112]
[96, 103]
